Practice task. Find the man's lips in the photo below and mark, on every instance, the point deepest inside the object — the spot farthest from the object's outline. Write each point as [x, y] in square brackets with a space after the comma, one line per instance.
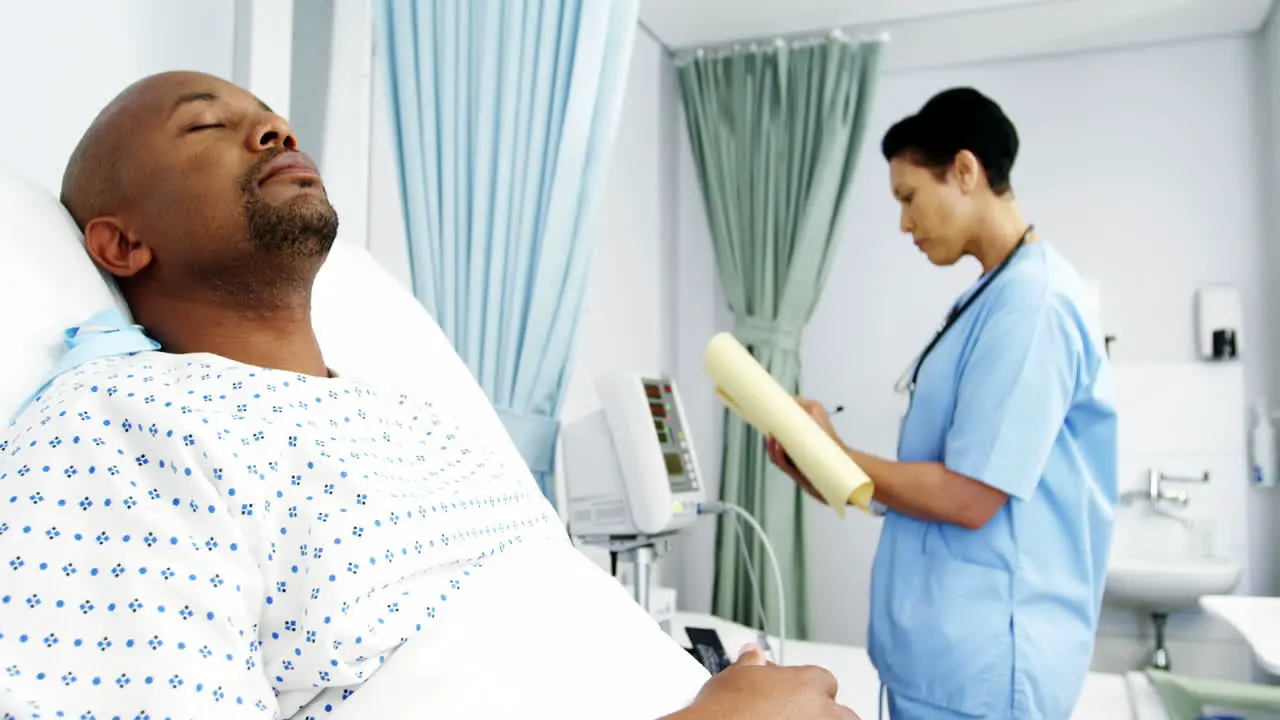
[288, 164]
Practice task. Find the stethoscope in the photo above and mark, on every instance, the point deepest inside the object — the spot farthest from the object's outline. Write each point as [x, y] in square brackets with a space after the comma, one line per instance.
[907, 381]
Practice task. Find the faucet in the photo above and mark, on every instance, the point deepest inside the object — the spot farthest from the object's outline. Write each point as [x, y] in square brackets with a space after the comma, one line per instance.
[1156, 494]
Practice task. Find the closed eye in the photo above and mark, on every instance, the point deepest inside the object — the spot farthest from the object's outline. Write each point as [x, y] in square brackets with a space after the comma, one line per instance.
[206, 126]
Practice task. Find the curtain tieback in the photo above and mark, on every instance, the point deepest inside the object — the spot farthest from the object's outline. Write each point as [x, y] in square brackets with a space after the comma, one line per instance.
[534, 436]
[758, 332]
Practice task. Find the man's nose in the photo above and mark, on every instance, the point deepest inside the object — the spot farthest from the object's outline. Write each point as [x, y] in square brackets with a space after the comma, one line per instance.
[274, 131]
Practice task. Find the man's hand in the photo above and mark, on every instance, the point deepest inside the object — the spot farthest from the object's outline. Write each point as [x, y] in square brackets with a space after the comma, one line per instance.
[755, 689]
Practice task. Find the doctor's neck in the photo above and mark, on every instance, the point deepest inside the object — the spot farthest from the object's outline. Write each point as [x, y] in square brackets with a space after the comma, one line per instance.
[998, 227]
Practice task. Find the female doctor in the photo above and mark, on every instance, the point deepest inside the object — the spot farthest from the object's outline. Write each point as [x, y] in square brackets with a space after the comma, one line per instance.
[988, 576]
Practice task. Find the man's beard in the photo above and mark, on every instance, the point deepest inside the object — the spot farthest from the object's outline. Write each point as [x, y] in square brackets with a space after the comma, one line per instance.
[287, 244]
[302, 228]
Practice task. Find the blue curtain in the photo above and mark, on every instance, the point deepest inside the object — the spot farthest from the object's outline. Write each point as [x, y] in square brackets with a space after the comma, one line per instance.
[503, 114]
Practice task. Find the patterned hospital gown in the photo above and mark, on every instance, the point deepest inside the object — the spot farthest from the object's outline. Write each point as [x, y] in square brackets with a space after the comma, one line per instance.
[186, 536]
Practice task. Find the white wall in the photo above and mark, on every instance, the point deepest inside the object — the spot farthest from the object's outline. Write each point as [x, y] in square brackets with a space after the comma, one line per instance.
[386, 240]
[64, 60]
[61, 72]
[1140, 165]
[331, 97]
[312, 53]
[263, 58]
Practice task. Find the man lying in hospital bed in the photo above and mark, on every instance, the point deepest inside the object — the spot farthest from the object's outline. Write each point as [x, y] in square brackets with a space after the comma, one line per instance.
[236, 525]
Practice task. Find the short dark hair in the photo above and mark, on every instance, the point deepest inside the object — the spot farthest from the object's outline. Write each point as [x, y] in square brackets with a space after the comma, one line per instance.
[953, 120]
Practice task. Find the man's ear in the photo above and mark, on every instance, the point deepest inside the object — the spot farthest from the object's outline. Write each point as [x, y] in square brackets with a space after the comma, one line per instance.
[113, 250]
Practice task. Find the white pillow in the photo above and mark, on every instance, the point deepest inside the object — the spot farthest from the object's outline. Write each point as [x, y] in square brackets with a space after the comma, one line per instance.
[373, 329]
[47, 284]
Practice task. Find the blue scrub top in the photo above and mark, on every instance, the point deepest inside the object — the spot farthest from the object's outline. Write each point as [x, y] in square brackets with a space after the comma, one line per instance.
[999, 622]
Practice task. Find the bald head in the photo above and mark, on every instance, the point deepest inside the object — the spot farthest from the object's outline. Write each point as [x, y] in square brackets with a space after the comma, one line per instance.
[99, 174]
[94, 173]
[189, 188]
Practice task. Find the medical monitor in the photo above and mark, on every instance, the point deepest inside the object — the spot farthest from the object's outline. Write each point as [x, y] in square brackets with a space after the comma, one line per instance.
[630, 467]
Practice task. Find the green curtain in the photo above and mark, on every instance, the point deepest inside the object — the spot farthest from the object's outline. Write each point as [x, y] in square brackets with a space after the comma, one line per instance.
[776, 130]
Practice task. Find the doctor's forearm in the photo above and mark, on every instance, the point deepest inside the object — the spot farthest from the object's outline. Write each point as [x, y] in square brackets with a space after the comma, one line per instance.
[931, 492]
[914, 489]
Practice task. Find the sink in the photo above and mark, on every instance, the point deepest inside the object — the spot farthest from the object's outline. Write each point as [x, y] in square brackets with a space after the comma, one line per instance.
[1168, 585]
[1162, 563]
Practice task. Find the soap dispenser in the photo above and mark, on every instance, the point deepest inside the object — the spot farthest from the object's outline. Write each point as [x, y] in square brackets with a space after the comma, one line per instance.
[1218, 322]
[1262, 447]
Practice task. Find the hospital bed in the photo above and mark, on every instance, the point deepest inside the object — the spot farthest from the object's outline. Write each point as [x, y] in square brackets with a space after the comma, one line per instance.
[48, 284]
[1106, 696]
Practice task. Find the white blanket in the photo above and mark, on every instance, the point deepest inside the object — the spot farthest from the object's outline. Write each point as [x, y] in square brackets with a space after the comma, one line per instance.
[185, 536]
[577, 650]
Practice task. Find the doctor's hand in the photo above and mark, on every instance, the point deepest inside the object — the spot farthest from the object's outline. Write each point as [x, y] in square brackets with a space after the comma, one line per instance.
[755, 689]
[820, 416]
[780, 458]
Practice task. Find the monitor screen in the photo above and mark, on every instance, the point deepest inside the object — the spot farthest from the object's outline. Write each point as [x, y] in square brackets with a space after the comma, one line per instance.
[675, 466]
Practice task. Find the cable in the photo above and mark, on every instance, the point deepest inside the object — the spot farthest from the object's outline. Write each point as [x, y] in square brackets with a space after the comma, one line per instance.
[777, 570]
[719, 507]
[763, 635]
